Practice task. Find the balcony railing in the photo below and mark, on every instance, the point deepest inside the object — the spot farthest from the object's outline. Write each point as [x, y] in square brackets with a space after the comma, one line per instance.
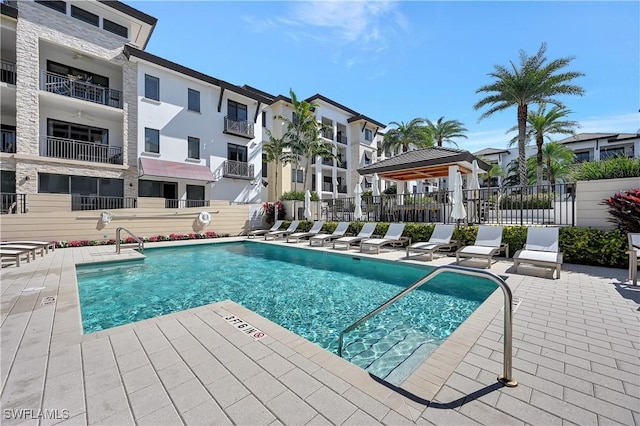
[242, 128]
[342, 189]
[238, 169]
[342, 165]
[95, 202]
[66, 86]
[7, 72]
[181, 204]
[70, 149]
[327, 187]
[13, 203]
[341, 139]
[8, 141]
[327, 134]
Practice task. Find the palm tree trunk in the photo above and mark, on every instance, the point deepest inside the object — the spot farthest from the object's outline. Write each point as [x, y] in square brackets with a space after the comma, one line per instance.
[539, 142]
[522, 128]
[275, 197]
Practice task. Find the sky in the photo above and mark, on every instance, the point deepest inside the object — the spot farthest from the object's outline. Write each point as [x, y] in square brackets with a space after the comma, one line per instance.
[396, 61]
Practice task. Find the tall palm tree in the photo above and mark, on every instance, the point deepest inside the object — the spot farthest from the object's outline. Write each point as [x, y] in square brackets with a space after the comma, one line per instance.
[541, 124]
[558, 160]
[445, 131]
[534, 81]
[279, 152]
[405, 135]
[304, 135]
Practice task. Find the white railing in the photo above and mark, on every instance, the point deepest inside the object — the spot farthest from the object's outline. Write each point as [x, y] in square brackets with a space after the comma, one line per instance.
[72, 87]
[241, 128]
[71, 149]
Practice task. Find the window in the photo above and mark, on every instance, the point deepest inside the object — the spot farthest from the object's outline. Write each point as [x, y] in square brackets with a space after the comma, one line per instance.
[297, 176]
[85, 16]
[294, 118]
[111, 187]
[194, 100]
[236, 153]
[611, 152]
[80, 185]
[195, 192]
[7, 182]
[264, 118]
[78, 74]
[265, 164]
[53, 184]
[368, 135]
[60, 6]
[151, 87]
[77, 132]
[151, 140]
[193, 147]
[236, 111]
[149, 188]
[581, 157]
[117, 29]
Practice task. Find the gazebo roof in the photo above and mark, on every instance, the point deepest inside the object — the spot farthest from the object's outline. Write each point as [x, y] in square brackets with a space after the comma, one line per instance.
[427, 163]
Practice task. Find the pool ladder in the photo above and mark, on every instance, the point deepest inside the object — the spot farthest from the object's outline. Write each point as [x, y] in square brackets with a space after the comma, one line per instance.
[136, 238]
[506, 377]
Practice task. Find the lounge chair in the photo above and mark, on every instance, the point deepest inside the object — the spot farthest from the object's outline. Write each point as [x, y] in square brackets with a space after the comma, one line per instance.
[340, 230]
[33, 250]
[274, 235]
[275, 227]
[366, 232]
[634, 257]
[440, 239]
[487, 245]
[15, 255]
[393, 236]
[297, 236]
[46, 245]
[540, 249]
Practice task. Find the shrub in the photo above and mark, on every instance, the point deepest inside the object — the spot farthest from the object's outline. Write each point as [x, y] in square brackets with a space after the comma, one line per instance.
[612, 168]
[624, 208]
[268, 211]
[529, 201]
[393, 189]
[298, 196]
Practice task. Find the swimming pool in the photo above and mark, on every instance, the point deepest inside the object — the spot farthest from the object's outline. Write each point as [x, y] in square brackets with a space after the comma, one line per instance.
[313, 294]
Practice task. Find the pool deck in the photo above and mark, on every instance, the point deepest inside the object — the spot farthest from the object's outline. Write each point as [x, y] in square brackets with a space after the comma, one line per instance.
[576, 347]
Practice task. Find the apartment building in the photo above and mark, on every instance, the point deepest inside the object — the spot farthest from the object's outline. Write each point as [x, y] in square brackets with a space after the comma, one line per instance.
[355, 138]
[585, 146]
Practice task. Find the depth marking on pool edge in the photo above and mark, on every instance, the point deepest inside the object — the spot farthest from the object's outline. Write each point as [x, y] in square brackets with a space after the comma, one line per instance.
[245, 327]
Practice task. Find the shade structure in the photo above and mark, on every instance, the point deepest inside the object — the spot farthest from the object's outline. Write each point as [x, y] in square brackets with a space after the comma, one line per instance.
[307, 205]
[458, 211]
[375, 182]
[357, 212]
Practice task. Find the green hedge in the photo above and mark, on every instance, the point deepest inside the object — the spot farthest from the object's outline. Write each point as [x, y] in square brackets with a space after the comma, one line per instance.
[584, 246]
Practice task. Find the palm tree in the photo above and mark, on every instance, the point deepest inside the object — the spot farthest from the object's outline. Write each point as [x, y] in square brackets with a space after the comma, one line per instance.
[278, 152]
[535, 81]
[558, 160]
[405, 135]
[303, 135]
[493, 174]
[541, 124]
[445, 131]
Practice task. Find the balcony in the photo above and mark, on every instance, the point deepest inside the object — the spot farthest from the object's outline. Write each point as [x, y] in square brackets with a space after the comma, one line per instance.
[7, 72]
[241, 128]
[341, 138]
[8, 141]
[70, 149]
[238, 170]
[342, 189]
[85, 90]
[327, 187]
[327, 134]
[95, 202]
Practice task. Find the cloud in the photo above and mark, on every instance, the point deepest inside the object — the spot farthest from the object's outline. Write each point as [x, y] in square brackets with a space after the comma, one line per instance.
[352, 32]
[623, 123]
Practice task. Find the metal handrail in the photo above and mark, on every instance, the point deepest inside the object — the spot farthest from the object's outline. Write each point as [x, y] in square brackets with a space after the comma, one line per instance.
[136, 238]
[505, 378]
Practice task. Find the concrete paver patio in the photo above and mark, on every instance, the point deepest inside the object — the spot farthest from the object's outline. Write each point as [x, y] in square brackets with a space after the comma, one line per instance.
[576, 346]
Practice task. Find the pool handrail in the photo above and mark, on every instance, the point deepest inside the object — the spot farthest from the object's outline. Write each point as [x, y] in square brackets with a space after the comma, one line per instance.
[505, 378]
[137, 239]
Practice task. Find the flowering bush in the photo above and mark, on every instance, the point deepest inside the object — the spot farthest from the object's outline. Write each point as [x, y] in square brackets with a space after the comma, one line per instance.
[129, 240]
[268, 211]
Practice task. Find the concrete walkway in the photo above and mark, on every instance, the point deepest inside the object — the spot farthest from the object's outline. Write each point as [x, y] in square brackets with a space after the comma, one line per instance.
[576, 358]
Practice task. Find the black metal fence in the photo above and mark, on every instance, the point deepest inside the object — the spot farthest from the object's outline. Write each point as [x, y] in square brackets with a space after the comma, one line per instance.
[181, 204]
[541, 204]
[13, 203]
[93, 202]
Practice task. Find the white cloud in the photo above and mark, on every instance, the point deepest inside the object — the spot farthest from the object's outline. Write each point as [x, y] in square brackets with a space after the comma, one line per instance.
[624, 123]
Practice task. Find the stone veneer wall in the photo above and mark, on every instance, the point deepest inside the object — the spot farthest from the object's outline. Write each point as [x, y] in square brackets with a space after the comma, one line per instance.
[38, 24]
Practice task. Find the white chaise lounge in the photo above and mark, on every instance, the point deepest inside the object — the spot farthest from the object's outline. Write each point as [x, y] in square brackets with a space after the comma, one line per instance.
[393, 236]
[487, 244]
[366, 232]
[540, 249]
[274, 235]
[315, 230]
[339, 232]
[275, 227]
[440, 239]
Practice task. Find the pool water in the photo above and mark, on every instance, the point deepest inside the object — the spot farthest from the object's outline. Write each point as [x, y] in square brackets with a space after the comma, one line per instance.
[313, 294]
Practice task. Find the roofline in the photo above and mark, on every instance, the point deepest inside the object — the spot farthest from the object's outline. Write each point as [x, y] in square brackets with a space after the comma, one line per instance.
[132, 51]
[461, 156]
[607, 136]
[357, 115]
[128, 10]
[364, 117]
[9, 11]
